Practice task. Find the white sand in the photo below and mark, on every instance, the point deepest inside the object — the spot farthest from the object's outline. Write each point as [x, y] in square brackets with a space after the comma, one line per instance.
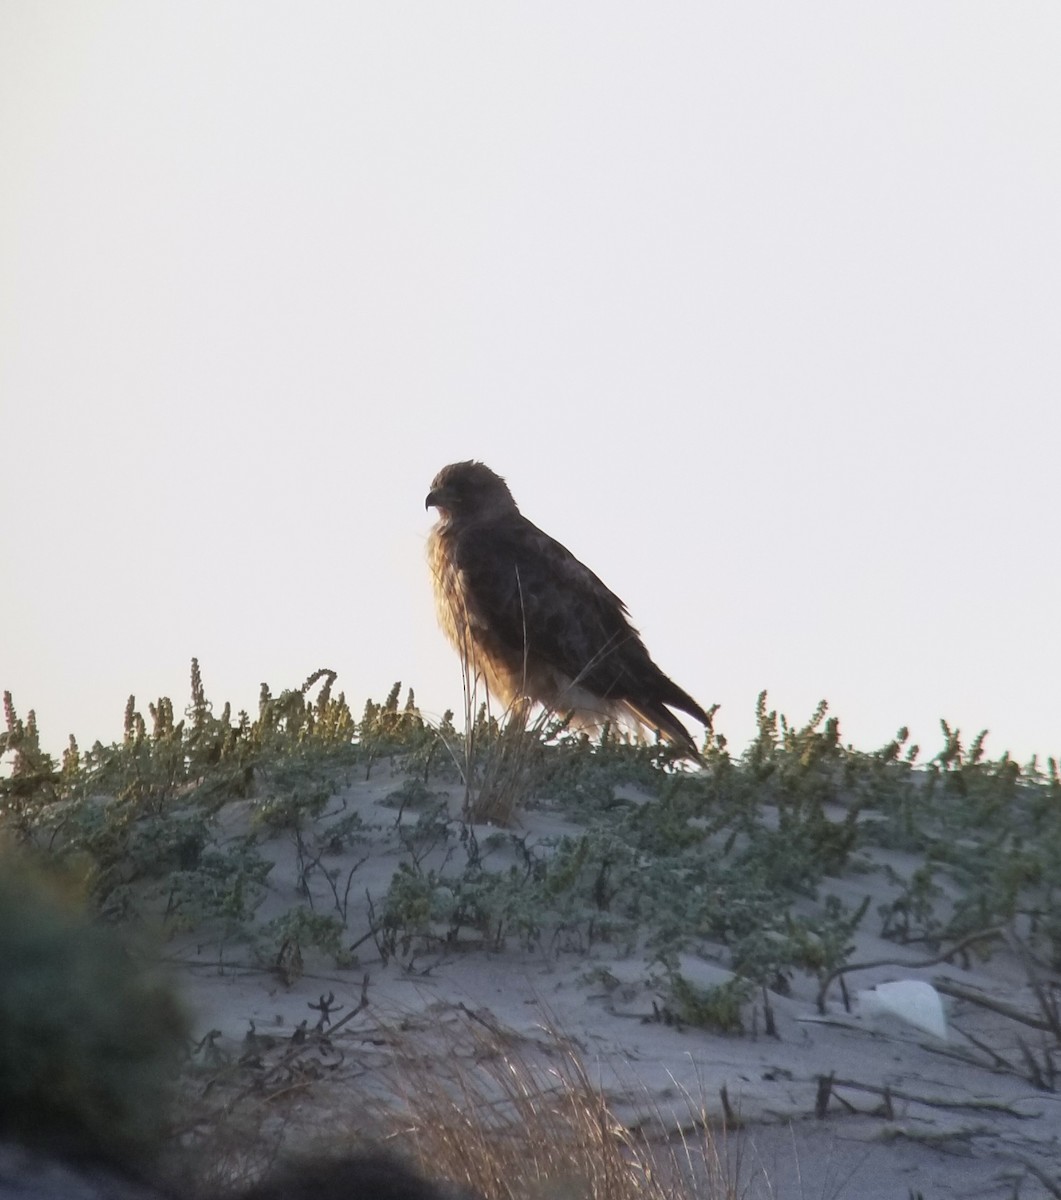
[956, 1128]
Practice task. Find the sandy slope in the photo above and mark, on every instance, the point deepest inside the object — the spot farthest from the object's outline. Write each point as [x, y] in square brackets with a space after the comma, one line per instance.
[908, 1113]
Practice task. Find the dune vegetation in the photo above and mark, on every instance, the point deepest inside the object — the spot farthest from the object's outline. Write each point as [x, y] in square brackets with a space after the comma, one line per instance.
[707, 896]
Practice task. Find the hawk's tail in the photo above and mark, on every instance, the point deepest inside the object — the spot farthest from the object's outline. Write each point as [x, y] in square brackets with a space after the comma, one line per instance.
[656, 715]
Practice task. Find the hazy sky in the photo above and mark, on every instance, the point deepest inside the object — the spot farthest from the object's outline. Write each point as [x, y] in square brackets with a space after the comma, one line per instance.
[757, 307]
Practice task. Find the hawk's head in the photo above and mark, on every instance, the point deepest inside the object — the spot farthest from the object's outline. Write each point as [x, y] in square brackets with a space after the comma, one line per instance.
[469, 489]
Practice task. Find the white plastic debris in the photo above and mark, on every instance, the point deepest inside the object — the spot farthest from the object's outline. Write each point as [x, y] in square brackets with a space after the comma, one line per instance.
[908, 1000]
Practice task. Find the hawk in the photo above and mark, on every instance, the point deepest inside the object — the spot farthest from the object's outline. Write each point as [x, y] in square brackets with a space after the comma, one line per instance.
[535, 623]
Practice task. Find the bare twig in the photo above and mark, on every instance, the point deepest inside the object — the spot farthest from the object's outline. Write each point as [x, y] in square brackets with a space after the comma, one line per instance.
[931, 1101]
[1048, 1004]
[960, 992]
[821, 1098]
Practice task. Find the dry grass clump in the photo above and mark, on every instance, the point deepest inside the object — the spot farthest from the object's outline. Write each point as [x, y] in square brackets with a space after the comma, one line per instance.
[487, 1112]
[512, 1119]
[499, 760]
[503, 766]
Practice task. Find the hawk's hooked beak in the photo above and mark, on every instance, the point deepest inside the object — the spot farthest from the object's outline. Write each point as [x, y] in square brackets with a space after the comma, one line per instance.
[437, 498]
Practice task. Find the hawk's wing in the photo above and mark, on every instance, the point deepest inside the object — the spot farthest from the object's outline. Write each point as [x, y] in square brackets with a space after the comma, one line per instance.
[535, 597]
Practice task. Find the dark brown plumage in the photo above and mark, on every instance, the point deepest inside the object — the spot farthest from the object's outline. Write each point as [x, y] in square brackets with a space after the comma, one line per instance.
[534, 623]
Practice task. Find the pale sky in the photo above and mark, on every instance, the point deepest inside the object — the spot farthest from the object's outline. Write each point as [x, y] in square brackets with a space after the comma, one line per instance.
[757, 308]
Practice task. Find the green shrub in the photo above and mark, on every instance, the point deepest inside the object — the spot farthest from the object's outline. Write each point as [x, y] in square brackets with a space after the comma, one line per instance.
[89, 1037]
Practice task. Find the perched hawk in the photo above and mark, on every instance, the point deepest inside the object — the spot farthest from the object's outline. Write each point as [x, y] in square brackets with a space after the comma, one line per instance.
[532, 621]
